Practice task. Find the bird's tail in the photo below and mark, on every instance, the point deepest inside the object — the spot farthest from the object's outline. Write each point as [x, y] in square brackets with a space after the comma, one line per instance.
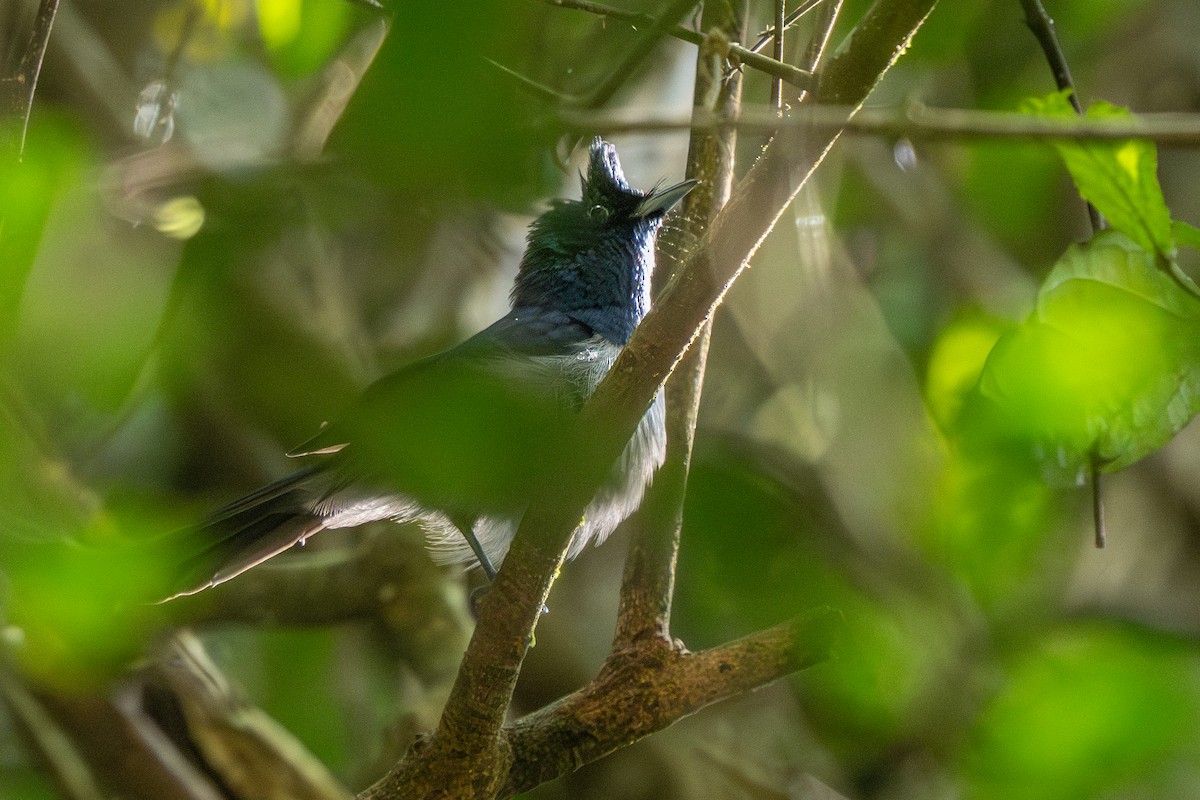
[245, 533]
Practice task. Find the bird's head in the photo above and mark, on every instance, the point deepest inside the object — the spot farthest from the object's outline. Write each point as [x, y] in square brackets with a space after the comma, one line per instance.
[592, 258]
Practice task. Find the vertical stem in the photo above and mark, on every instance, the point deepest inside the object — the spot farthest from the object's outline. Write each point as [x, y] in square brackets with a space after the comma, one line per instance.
[1042, 26]
[777, 53]
[1098, 523]
[649, 581]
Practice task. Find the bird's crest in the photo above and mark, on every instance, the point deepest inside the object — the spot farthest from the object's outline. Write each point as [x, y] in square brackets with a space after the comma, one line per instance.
[605, 180]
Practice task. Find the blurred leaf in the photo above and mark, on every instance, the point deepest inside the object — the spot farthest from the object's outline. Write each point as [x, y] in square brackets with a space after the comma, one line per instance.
[433, 428]
[55, 159]
[82, 601]
[762, 543]
[753, 555]
[868, 697]
[1087, 711]
[92, 306]
[432, 118]
[293, 663]
[1108, 365]
[302, 35]
[955, 361]
[279, 20]
[1014, 191]
[992, 525]
[25, 784]
[1119, 178]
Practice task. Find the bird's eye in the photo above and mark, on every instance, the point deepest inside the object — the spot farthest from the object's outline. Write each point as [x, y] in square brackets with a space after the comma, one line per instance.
[598, 214]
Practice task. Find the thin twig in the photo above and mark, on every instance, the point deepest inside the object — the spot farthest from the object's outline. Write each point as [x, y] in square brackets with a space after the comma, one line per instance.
[914, 121]
[777, 53]
[769, 34]
[641, 49]
[47, 741]
[823, 33]
[1042, 26]
[733, 51]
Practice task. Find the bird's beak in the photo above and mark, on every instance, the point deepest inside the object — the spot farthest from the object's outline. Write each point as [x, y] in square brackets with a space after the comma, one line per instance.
[661, 201]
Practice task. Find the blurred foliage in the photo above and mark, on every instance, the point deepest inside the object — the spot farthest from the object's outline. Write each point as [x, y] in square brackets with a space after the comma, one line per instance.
[1086, 710]
[900, 396]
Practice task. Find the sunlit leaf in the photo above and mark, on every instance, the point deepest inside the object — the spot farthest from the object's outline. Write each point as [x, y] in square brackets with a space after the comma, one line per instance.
[1119, 178]
[1108, 365]
[303, 35]
[278, 21]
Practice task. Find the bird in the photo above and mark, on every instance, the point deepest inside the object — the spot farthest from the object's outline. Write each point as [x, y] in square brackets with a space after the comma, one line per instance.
[459, 441]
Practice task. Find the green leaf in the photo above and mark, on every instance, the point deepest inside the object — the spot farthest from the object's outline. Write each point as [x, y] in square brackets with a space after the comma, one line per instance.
[1107, 366]
[1088, 711]
[955, 362]
[1119, 178]
[1186, 235]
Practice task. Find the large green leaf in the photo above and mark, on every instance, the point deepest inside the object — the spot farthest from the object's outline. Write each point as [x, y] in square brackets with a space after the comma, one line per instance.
[1107, 366]
[1118, 177]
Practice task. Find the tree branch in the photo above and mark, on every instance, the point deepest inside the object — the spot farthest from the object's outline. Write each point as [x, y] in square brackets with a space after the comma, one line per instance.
[777, 53]
[98, 744]
[643, 690]
[254, 755]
